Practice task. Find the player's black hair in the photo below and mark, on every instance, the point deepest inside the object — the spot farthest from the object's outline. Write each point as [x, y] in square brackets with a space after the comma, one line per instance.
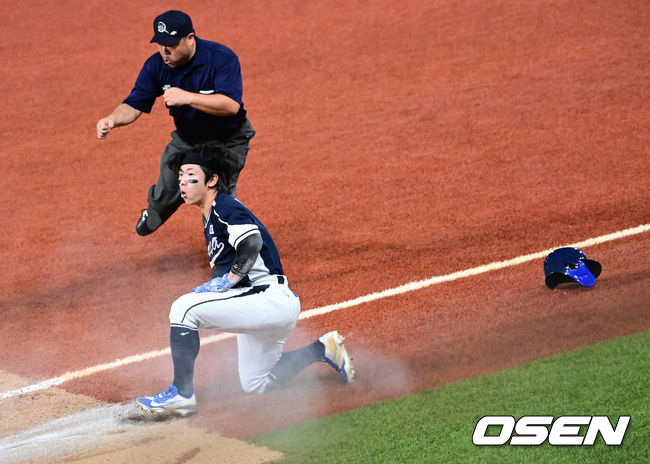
[208, 174]
[213, 157]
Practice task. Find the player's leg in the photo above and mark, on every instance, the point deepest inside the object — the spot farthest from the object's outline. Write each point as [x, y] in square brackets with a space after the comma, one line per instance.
[263, 365]
[261, 316]
[164, 196]
[328, 348]
[233, 311]
[291, 363]
[267, 317]
[179, 397]
[257, 354]
[184, 344]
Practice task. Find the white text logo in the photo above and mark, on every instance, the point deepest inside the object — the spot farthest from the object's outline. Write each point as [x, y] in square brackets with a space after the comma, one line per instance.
[215, 247]
[534, 430]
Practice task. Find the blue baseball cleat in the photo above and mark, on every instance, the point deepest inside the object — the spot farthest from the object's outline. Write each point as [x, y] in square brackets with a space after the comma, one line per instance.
[336, 355]
[169, 401]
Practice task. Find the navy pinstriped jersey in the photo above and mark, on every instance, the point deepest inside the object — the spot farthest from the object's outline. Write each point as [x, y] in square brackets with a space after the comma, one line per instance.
[230, 222]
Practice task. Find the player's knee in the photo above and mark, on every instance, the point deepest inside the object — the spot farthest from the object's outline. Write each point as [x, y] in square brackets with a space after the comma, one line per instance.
[178, 314]
[254, 386]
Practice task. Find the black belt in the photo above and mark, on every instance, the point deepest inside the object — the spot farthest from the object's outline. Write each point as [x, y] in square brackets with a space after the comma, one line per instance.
[281, 279]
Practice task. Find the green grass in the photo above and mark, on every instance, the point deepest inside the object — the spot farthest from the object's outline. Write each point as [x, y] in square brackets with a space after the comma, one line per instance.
[610, 378]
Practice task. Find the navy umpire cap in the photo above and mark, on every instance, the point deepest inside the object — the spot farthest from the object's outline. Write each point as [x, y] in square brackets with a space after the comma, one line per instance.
[170, 27]
[570, 264]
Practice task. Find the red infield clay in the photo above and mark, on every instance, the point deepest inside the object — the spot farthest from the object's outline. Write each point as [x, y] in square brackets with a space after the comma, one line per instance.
[395, 142]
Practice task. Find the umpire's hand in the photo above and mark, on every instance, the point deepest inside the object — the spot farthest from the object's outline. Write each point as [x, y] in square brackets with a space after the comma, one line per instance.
[104, 126]
[121, 116]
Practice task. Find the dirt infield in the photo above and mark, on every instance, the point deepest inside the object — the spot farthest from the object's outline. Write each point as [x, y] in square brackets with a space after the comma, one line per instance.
[396, 141]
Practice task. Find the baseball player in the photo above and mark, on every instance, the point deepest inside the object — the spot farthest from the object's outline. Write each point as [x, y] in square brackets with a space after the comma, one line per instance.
[248, 295]
[201, 85]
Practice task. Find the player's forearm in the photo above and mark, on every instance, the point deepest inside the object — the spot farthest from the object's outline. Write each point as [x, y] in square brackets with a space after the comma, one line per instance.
[247, 252]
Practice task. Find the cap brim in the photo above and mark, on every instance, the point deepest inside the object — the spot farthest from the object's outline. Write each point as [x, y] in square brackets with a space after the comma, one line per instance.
[167, 40]
[582, 275]
[594, 266]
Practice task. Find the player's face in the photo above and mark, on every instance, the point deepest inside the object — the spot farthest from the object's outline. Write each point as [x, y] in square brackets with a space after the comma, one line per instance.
[194, 190]
[179, 54]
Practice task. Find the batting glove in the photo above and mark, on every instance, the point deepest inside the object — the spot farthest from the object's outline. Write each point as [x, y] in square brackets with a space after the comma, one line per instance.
[218, 284]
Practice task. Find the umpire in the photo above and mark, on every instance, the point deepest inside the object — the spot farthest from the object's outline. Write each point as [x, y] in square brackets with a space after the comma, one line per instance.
[201, 85]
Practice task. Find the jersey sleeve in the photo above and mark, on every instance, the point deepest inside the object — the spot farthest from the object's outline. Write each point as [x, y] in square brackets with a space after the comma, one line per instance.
[146, 88]
[228, 79]
[240, 224]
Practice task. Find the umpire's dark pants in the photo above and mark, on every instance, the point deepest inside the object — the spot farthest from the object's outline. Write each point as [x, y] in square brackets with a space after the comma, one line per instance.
[165, 196]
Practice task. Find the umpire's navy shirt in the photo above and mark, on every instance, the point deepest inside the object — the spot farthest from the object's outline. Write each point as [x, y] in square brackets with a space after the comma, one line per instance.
[214, 69]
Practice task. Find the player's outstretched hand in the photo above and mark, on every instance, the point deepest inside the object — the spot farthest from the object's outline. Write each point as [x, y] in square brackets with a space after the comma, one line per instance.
[218, 284]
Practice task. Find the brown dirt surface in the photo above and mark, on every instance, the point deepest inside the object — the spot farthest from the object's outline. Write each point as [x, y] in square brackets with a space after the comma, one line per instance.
[395, 142]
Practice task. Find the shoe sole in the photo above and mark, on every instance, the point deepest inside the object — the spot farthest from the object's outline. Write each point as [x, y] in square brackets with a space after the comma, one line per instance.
[162, 410]
[347, 370]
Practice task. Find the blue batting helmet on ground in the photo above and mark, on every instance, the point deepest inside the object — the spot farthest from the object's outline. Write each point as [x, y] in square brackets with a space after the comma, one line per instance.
[570, 264]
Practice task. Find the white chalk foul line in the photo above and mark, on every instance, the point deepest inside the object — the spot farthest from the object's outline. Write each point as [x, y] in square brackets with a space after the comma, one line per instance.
[412, 286]
[420, 284]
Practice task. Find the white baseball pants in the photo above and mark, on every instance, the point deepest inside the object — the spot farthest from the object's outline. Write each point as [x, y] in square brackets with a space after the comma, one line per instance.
[261, 317]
